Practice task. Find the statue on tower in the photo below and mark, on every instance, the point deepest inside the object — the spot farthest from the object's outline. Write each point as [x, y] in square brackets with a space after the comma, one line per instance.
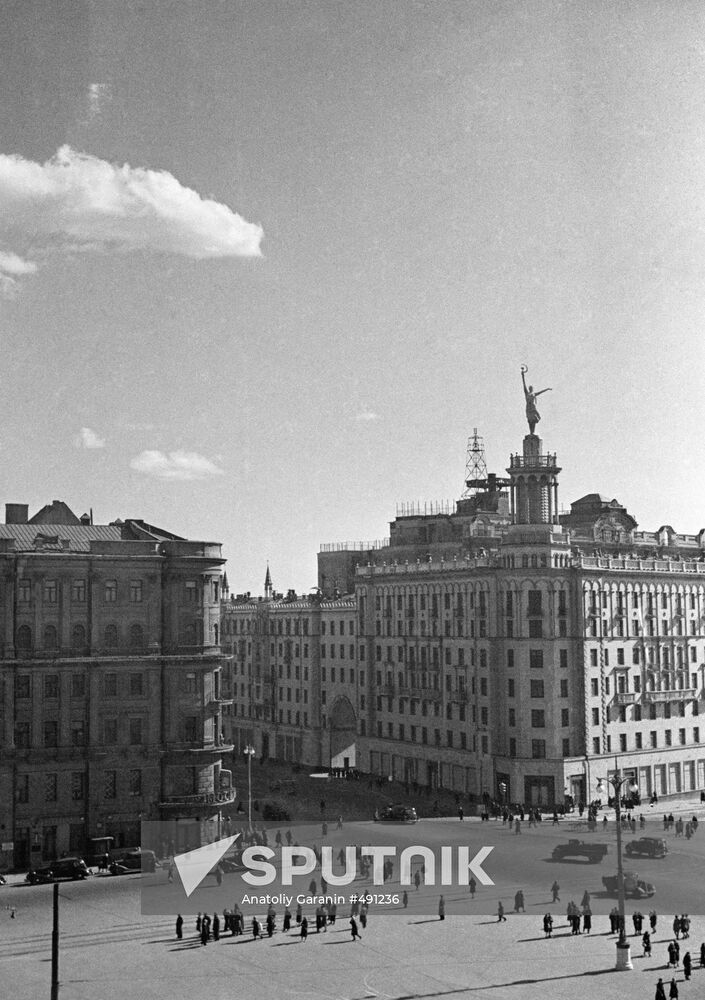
[532, 414]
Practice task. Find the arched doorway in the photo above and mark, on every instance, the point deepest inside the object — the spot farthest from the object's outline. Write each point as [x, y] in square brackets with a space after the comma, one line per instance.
[342, 725]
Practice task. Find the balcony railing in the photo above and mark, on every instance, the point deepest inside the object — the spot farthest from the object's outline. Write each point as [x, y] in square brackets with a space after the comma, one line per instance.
[625, 698]
[221, 798]
[671, 694]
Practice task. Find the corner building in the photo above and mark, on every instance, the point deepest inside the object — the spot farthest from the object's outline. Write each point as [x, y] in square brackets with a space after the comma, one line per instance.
[510, 651]
[110, 684]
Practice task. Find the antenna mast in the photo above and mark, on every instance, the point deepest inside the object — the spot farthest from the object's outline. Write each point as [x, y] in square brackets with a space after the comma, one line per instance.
[475, 466]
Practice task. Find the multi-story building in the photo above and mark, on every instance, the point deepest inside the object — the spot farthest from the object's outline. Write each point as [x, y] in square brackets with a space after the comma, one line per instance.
[504, 648]
[110, 683]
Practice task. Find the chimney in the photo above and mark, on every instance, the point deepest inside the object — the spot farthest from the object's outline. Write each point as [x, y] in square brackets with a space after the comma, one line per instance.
[85, 519]
[16, 513]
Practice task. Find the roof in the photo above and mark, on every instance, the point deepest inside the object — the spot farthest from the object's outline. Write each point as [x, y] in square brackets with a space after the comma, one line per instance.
[30, 537]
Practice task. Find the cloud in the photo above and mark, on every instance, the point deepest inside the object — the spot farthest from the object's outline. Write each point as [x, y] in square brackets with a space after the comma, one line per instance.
[186, 465]
[86, 438]
[13, 267]
[367, 416]
[76, 202]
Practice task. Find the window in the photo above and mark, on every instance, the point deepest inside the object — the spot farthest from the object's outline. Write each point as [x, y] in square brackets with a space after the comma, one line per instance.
[51, 686]
[536, 658]
[110, 730]
[24, 591]
[638, 741]
[510, 687]
[566, 747]
[23, 686]
[137, 685]
[110, 637]
[512, 717]
[653, 740]
[593, 657]
[535, 628]
[483, 686]
[536, 689]
[512, 746]
[484, 716]
[135, 782]
[696, 734]
[538, 718]
[596, 745]
[78, 637]
[510, 658]
[596, 717]
[110, 685]
[538, 749]
[669, 737]
[78, 591]
[565, 717]
[136, 731]
[191, 592]
[622, 742]
[49, 591]
[535, 602]
[563, 658]
[110, 785]
[681, 737]
[22, 788]
[110, 591]
[78, 733]
[635, 655]
[51, 733]
[564, 689]
[136, 591]
[50, 787]
[190, 684]
[50, 637]
[78, 786]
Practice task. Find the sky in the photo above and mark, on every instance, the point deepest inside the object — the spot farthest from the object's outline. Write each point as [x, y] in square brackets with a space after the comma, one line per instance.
[264, 266]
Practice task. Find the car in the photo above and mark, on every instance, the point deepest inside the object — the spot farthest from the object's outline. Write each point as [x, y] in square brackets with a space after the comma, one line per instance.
[134, 860]
[396, 814]
[647, 847]
[634, 886]
[61, 868]
[593, 853]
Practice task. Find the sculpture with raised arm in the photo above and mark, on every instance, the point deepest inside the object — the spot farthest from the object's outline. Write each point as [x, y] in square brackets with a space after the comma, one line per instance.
[532, 414]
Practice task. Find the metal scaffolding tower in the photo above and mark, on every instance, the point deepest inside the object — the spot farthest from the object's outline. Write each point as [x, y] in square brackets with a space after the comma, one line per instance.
[475, 467]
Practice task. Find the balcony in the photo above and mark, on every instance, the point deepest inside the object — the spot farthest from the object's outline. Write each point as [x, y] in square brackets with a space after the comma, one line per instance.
[215, 704]
[532, 462]
[625, 698]
[671, 694]
[192, 802]
[190, 748]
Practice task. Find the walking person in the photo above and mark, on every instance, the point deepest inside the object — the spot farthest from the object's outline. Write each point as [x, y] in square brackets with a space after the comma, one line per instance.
[441, 908]
[500, 912]
[646, 942]
[555, 889]
[472, 885]
[652, 920]
[304, 929]
[671, 953]
[353, 929]
[587, 920]
[287, 919]
[216, 927]
[179, 927]
[547, 925]
[687, 965]
[405, 899]
[256, 929]
[363, 915]
[299, 913]
[660, 991]
[702, 955]
[673, 991]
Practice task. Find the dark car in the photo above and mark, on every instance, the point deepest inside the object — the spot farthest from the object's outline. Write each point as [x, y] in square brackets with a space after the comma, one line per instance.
[647, 847]
[580, 849]
[397, 814]
[74, 868]
[637, 888]
[126, 862]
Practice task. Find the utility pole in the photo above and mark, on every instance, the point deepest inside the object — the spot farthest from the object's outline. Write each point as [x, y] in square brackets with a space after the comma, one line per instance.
[55, 946]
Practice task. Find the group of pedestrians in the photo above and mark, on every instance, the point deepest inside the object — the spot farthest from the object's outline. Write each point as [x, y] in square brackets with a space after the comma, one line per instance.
[209, 928]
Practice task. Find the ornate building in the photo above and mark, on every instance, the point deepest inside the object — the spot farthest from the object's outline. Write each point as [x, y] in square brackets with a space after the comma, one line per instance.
[498, 648]
[110, 683]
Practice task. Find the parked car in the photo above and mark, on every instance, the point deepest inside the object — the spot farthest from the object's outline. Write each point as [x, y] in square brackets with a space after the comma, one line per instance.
[135, 860]
[396, 814]
[634, 886]
[61, 868]
[580, 849]
[647, 847]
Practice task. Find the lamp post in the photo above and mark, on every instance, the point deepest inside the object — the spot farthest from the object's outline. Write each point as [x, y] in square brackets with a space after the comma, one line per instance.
[249, 752]
[617, 781]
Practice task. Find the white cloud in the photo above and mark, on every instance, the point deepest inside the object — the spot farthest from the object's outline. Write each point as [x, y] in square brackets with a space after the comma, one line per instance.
[175, 465]
[367, 416]
[80, 203]
[86, 438]
[13, 267]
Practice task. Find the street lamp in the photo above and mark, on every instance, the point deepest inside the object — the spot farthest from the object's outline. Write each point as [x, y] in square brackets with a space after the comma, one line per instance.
[617, 781]
[249, 751]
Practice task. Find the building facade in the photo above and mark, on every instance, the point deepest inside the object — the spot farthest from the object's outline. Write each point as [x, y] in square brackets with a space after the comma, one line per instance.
[110, 684]
[498, 648]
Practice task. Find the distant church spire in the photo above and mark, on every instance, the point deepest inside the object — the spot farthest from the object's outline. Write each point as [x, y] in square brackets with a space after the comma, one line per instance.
[268, 584]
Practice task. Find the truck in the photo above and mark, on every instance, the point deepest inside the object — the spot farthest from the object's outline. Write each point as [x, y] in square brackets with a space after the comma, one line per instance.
[593, 853]
[634, 886]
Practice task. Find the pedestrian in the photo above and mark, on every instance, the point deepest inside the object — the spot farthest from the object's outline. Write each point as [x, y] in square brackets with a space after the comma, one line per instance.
[324, 829]
[198, 924]
[687, 965]
[441, 908]
[417, 879]
[652, 920]
[587, 920]
[287, 919]
[460, 813]
[702, 955]
[671, 954]
[179, 927]
[473, 886]
[405, 899]
[288, 838]
[169, 875]
[500, 912]
[660, 991]
[256, 929]
[340, 823]
[673, 991]
[646, 942]
[519, 902]
[304, 929]
[555, 889]
[363, 915]
[204, 932]
[216, 927]
[585, 901]
[678, 953]
[270, 924]
[299, 913]
[353, 929]
[547, 925]
[677, 926]
[517, 826]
